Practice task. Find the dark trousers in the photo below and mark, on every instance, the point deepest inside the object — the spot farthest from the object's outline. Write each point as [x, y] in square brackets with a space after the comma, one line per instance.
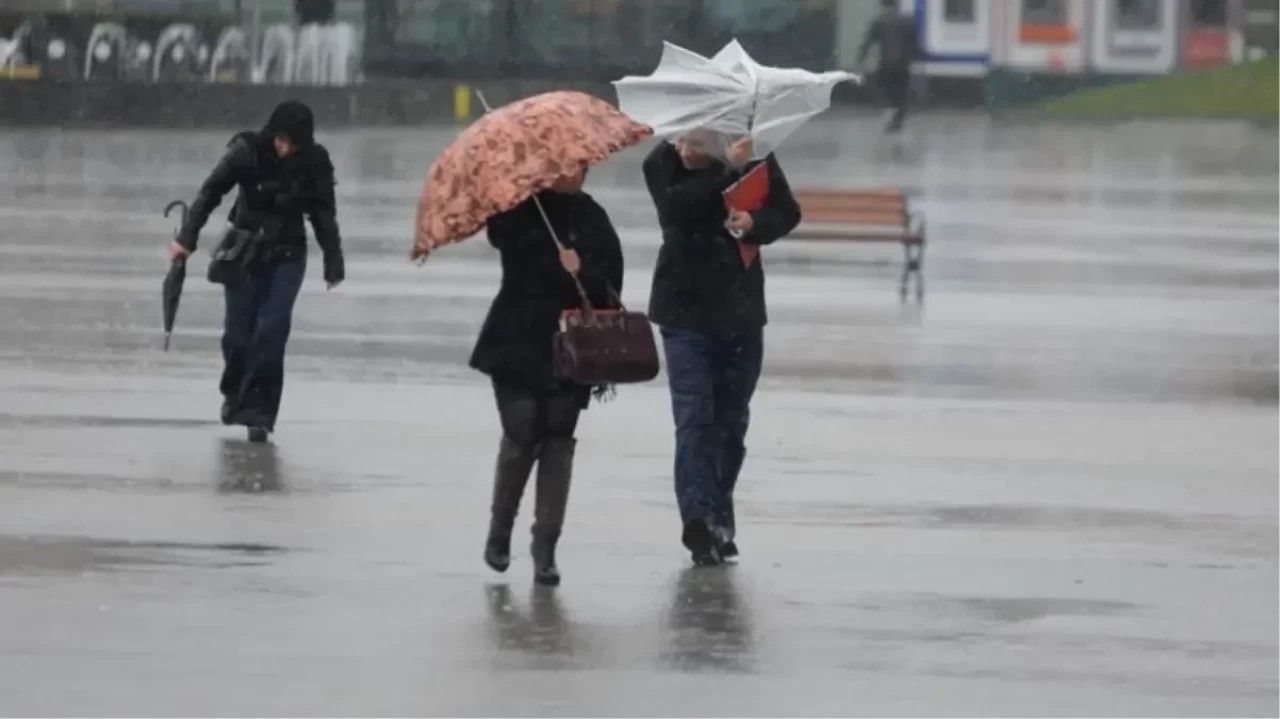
[895, 85]
[712, 380]
[530, 417]
[537, 427]
[254, 335]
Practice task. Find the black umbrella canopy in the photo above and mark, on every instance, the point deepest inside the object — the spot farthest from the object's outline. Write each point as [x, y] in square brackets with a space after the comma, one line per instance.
[171, 290]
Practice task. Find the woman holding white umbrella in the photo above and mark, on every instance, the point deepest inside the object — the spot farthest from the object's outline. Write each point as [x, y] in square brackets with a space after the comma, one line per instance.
[720, 195]
[708, 299]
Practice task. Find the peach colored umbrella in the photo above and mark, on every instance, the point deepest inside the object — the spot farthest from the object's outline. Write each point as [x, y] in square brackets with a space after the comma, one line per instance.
[511, 154]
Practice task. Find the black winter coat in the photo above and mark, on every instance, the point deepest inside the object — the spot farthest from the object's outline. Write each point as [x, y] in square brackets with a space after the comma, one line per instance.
[700, 283]
[275, 194]
[514, 346]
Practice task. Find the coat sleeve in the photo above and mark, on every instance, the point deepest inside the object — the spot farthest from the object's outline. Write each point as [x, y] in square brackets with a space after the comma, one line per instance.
[780, 215]
[222, 180]
[678, 202]
[602, 274]
[871, 38]
[322, 211]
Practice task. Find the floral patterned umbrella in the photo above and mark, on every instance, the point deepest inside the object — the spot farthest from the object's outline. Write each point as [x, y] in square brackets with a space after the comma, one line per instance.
[511, 154]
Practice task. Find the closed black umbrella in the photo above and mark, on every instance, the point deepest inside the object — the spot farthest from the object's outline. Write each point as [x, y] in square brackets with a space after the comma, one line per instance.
[171, 291]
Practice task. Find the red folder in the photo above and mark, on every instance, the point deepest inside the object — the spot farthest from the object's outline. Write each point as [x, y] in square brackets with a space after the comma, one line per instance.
[749, 194]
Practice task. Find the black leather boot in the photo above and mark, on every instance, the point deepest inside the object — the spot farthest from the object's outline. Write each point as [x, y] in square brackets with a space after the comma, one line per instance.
[543, 550]
[509, 479]
[555, 471]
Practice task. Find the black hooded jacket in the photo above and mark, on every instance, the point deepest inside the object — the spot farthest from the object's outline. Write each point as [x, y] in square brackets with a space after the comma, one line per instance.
[700, 283]
[275, 193]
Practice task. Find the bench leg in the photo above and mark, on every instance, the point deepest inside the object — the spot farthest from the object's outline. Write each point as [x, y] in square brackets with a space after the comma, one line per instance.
[912, 264]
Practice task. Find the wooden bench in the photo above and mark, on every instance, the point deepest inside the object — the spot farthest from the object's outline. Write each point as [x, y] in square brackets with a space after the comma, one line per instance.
[867, 216]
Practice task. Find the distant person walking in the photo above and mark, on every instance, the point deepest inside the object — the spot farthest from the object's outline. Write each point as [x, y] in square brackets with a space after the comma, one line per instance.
[895, 35]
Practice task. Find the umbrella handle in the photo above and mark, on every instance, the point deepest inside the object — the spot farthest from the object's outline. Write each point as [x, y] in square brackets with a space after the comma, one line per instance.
[177, 203]
[587, 307]
[185, 209]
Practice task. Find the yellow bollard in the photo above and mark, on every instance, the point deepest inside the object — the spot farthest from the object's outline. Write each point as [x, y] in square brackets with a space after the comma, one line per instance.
[462, 103]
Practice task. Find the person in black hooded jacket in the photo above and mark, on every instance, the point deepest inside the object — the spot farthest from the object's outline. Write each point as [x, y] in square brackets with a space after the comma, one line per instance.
[283, 176]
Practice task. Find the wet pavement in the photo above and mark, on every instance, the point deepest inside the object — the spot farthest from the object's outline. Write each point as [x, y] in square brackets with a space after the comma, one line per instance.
[1050, 491]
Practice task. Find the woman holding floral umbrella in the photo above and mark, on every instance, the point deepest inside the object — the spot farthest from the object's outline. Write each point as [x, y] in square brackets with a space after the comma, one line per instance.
[519, 171]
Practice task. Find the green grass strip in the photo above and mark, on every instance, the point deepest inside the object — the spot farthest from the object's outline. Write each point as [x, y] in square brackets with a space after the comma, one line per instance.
[1245, 91]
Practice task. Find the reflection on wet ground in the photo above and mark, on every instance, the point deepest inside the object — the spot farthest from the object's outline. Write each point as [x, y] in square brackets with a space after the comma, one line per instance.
[1051, 489]
[710, 626]
[541, 627]
[248, 467]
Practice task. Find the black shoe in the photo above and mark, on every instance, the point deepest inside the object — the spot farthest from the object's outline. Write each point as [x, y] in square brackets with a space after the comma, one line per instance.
[724, 542]
[227, 413]
[497, 553]
[700, 539]
[545, 571]
[729, 551]
[258, 435]
[707, 559]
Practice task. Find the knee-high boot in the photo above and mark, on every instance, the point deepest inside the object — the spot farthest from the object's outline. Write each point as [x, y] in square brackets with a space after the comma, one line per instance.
[509, 479]
[555, 471]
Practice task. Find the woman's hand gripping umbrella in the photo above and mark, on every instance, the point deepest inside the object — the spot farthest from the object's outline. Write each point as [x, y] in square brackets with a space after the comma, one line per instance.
[171, 290]
[511, 154]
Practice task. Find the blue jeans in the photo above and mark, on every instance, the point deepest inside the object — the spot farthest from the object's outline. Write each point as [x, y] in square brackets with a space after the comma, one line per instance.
[259, 315]
[712, 381]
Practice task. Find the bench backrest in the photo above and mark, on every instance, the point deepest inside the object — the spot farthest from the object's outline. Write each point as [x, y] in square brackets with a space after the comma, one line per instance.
[886, 208]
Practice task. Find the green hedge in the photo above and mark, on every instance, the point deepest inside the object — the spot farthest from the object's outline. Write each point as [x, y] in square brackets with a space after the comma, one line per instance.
[1246, 91]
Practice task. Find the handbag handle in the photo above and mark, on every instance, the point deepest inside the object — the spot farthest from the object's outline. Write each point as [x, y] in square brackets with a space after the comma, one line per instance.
[587, 308]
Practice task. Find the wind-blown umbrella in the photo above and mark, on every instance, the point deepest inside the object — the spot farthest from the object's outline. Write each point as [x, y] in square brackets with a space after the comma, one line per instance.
[511, 154]
[171, 290]
[729, 93]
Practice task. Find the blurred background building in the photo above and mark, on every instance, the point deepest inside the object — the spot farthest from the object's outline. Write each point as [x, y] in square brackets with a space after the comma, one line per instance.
[338, 42]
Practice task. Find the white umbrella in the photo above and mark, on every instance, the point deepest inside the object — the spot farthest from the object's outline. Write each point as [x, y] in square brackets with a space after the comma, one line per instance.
[730, 93]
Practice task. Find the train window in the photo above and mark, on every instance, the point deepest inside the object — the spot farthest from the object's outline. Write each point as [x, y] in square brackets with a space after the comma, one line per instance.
[1137, 14]
[1044, 12]
[1209, 13]
[959, 12]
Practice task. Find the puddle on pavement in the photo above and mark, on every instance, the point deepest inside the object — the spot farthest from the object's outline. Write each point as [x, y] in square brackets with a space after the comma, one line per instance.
[27, 556]
[28, 421]
[239, 467]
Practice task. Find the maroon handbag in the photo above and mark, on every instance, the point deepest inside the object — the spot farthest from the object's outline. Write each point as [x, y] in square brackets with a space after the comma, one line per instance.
[604, 346]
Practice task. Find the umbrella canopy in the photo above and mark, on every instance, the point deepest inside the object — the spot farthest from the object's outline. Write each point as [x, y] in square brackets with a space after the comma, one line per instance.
[511, 154]
[729, 93]
[171, 289]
